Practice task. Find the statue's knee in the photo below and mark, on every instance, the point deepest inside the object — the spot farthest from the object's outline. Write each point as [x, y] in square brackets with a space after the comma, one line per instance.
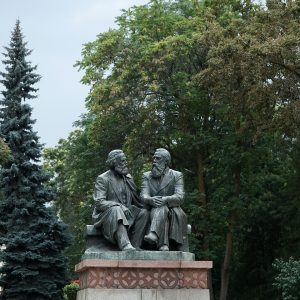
[115, 210]
[162, 211]
[165, 210]
[145, 213]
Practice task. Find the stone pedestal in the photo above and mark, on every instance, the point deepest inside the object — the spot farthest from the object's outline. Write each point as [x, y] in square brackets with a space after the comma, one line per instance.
[140, 275]
[143, 294]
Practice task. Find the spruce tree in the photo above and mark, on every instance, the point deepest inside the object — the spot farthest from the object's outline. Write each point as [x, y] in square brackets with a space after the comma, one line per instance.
[31, 235]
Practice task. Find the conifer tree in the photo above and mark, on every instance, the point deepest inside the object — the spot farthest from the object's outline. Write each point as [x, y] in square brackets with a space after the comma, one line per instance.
[31, 235]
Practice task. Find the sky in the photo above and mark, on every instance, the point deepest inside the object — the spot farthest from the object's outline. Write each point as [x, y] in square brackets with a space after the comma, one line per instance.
[56, 31]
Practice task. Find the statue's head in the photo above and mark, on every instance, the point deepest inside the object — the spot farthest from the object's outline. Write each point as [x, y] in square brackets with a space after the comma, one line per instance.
[116, 160]
[161, 160]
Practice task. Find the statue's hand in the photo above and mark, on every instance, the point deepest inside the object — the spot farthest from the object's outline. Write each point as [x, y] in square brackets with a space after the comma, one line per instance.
[157, 201]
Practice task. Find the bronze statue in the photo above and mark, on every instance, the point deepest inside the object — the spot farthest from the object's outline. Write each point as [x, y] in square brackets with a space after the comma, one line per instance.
[118, 212]
[162, 191]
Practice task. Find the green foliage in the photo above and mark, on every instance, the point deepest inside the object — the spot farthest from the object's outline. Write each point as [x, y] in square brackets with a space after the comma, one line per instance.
[71, 290]
[33, 237]
[4, 151]
[287, 279]
[217, 84]
[74, 164]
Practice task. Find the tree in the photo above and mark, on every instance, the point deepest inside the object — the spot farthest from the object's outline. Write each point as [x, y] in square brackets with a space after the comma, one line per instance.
[153, 59]
[260, 101]
[33, 237]
[75, 164]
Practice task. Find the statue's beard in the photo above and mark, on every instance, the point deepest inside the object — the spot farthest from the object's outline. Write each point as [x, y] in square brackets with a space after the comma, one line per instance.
[122, 170]
[157, 170]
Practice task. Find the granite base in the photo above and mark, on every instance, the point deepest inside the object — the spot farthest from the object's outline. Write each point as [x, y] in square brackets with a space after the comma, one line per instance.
[142, 275]
[143, 294]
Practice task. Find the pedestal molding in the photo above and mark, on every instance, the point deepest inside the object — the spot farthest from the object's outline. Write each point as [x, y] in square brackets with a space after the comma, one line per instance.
[97, 263]
[142, 274]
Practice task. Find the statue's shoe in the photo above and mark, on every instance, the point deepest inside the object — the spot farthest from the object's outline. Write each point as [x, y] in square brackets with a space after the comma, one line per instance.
[151, 238]
[164, 248]
[128, 247]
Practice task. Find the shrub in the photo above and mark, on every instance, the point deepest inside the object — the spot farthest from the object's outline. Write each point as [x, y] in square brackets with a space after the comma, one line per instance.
[287, 280]
[71, 290]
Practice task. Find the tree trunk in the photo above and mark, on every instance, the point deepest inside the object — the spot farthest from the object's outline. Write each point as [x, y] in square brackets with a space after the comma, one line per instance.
[225, 272]
[226, 264]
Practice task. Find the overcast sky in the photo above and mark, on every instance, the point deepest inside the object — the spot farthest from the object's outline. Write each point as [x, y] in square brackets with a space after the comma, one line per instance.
[56, 31]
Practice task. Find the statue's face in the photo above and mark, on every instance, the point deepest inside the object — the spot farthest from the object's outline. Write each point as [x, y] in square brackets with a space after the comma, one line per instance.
[158, 159]
[159, 164]
[121, 164]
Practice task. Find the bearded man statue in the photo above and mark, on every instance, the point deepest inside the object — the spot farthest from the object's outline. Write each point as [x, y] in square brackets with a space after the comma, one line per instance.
[162, 191]
[118, 212]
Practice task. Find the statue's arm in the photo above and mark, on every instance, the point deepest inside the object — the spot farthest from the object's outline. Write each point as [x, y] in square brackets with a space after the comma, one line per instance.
[177, 198]
[145, 191]
[100, 195]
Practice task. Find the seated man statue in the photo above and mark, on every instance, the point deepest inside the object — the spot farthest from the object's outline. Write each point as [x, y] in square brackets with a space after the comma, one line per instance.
[118, 213]
[162, 191]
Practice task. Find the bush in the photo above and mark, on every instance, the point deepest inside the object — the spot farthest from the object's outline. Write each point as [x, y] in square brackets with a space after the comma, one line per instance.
[71, 290]
[287, 280]
[4, 152]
